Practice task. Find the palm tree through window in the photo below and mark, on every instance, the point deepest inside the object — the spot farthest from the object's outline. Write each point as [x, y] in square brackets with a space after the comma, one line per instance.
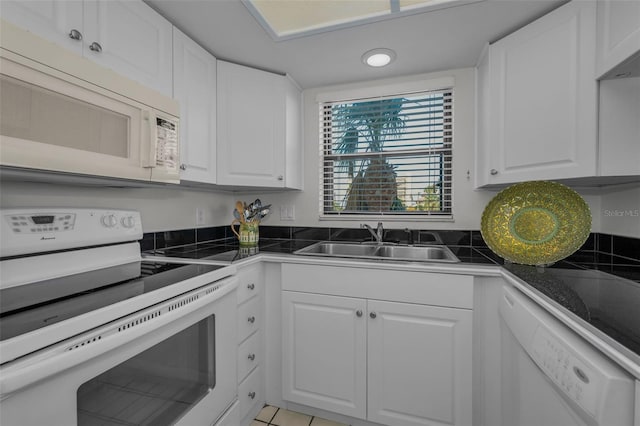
[388, 156]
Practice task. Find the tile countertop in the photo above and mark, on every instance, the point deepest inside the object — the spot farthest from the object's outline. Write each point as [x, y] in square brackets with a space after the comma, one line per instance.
[575, 289]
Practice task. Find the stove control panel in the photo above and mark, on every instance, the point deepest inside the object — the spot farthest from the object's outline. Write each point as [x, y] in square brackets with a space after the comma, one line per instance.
[26, 223]
[32, 230]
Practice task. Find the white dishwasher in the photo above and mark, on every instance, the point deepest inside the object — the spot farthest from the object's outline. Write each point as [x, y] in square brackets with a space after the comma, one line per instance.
[552, 377]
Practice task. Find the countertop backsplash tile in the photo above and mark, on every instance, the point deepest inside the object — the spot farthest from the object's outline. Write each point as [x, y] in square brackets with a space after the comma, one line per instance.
[610, 253]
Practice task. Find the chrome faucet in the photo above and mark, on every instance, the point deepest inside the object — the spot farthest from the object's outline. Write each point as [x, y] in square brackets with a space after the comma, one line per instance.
[377, 234]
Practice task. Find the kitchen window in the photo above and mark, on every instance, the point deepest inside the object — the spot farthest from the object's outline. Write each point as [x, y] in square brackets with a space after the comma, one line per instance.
[387, 156]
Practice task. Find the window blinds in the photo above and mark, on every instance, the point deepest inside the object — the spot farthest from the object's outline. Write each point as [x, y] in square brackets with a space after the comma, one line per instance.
[387, 156]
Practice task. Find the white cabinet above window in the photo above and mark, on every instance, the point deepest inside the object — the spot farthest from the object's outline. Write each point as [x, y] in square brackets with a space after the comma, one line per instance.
[259, 136]
[126, 36]
[537, 100]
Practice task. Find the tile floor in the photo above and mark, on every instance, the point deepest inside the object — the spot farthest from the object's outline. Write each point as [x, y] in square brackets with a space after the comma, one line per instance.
[275, 416]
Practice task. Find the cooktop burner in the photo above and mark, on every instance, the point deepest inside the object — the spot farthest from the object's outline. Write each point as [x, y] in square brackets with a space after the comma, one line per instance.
[29, 307]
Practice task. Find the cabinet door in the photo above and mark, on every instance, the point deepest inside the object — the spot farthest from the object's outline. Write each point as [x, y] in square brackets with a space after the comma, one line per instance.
[619, 127]
[419, 364]
[194, 87]
[543, 99]
[251, 127]
[294, 156]
[324, 352]
[618, 23]
[51, 19]
[135, 41]
[483, 119]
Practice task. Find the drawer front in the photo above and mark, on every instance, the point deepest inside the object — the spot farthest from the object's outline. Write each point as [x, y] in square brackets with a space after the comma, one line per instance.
[249, 318]
[250, 392]
[427, 288]
[250, 282]
[249, 355]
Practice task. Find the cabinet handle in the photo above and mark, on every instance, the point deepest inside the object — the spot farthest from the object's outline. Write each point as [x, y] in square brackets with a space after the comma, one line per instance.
[251, 319]
[75, 35]
[183, 167]
[493, 172]
[252, 357]
[280, 177]
[373, 315]
[359, 313]
[252, 395]
[251, 286]
[95, 46]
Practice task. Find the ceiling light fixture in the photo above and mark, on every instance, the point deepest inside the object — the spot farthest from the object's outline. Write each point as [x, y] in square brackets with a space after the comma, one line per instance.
[379, 57]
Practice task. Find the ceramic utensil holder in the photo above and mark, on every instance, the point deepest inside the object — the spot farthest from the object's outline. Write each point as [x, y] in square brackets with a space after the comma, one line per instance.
[248, 233]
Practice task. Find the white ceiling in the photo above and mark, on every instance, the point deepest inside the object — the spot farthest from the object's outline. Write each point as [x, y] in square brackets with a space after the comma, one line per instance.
[424, 42]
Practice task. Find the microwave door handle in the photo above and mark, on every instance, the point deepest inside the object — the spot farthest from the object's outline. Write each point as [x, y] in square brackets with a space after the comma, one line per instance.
[151, 140]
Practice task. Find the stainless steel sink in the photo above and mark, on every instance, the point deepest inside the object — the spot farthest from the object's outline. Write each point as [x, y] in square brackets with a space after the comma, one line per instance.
[431, 253]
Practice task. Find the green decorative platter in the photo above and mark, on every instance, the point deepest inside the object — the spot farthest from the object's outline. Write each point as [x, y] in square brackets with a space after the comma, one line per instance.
[536, 223]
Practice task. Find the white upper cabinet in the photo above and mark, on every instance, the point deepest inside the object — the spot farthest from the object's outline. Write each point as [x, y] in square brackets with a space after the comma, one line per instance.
[194, 87]
[619, 129]
[253, 136]
[126, 36]
[538, 118]
[58, 21]
[618, 31]
[134, 41]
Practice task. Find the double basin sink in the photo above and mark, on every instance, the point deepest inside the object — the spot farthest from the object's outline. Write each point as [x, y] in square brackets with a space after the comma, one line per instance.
[382, 251]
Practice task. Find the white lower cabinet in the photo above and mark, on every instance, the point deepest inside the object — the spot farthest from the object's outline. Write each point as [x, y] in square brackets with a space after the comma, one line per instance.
[250, 343]
[419, 364]
[250, 391]
[392, 363]
[325, 352]
[231, 417]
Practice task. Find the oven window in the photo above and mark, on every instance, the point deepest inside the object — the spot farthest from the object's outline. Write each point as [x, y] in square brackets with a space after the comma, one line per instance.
[157, 386]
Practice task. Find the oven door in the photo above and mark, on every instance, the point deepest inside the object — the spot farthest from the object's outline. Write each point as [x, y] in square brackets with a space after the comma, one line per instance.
[173, 363]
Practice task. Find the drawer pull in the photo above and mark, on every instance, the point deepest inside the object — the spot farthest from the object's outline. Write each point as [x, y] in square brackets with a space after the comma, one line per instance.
[252, 356]
[251, 286]
[252, 395]
[251, 319]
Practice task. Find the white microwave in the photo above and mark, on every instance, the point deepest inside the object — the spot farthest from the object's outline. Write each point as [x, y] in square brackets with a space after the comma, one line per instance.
[61, 112]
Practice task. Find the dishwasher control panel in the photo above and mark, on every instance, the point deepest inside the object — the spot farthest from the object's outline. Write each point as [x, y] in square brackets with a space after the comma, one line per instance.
[566, 370]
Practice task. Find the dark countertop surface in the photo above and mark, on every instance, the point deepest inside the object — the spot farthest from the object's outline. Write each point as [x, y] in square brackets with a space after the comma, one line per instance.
[604, 295]
[229, 251]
